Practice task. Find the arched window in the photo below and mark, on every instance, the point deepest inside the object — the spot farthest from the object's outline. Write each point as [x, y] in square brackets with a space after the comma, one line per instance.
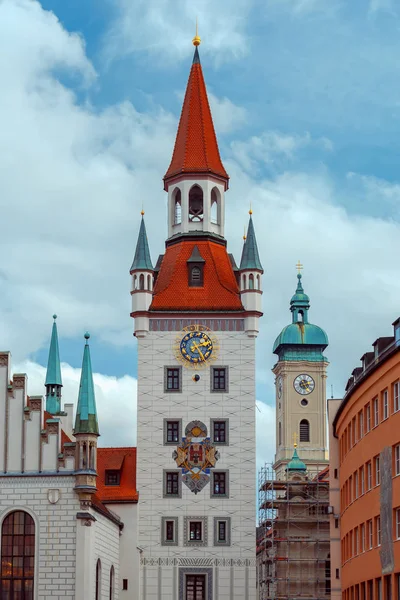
[196, 276]
[304, 431]
[196, 204]
[98, 579]
[141, 282]
[300, 316]
[279, 433]
[149, 282]
[251, 281]
[17, 556]
[135, 282]
[215, 206]
[112, 583]
[258, 282]
[177, 207]
[244, 282]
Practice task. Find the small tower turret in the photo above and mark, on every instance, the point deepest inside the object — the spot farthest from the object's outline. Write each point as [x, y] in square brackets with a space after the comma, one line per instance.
[53, 382]
[86, 430]
[250, 278]
[142, 274]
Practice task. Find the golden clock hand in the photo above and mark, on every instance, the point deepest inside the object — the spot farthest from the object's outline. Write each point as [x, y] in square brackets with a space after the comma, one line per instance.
[196, 347]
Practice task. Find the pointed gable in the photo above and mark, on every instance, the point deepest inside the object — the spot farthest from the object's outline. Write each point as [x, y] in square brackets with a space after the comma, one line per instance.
[196, 148]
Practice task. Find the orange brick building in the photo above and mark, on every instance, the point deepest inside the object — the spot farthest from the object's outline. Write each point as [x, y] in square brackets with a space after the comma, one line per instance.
[365, 477]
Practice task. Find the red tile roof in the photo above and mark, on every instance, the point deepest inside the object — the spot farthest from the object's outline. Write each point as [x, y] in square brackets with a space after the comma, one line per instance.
[220, 291]
[108, 459]
[196, 147]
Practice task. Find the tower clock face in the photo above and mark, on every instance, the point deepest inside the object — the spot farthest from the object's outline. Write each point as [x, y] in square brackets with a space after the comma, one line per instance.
[279, 386]
[196, 347]
[304, 384]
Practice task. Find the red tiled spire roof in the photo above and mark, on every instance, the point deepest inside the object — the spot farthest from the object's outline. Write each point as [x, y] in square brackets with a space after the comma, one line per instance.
[219, 292]
[196, 147]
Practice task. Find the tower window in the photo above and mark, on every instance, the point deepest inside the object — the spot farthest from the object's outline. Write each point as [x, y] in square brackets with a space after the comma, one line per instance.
[172, 379]
[251, 281]
[219, 379]
[169, 531]
[172, 431]
[196, 276]
[172, 484]
[195, 531]
[304, 431]
[279, 433]
[177, 207]
[215, 206]
[219, 431]
[219, 484]
[196, 204]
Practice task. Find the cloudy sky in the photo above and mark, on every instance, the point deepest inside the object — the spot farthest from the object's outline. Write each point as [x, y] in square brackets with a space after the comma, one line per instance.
[306, 102]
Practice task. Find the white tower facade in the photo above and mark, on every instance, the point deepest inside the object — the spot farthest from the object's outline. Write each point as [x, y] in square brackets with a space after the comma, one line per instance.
[196, 388]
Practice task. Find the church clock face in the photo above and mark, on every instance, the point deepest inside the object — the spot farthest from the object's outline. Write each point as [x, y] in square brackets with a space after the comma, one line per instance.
[304, 384]
[196, 347]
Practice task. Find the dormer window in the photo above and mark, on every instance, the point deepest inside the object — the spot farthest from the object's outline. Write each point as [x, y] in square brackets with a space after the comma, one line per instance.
[113, 477]
[196, 276]
[196, 268]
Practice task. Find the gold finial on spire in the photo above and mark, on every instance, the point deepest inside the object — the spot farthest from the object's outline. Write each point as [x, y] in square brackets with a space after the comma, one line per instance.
[196, 40]
[142, 212]
[299, 267]
[250, 210]
[244, 234]
[295, 440]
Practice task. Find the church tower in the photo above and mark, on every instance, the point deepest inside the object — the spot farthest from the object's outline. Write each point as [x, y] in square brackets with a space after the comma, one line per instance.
[300, 381]
[196, 322]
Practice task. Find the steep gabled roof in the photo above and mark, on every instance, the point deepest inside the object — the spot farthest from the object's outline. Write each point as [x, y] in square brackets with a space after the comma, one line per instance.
[196, 148]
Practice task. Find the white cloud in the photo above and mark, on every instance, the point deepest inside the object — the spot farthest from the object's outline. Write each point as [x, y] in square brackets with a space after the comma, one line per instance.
[273, 147]
[227, 116]
[115, 400]
[167, 28]
[72, 184]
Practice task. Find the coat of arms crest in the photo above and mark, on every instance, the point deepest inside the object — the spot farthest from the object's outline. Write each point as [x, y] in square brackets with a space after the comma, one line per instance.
[195, 456]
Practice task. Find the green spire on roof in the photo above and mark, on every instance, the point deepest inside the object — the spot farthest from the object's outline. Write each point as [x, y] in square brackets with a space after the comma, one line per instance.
[53, 376]
[86, 414]
[142, 260]
[250, 258]
[296, 464]
[53, 381]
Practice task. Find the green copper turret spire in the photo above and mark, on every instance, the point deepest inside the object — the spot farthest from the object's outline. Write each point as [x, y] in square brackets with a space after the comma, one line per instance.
[53, 377]
[296, 464]
[86, 414]
[250, 257]
[142, 260]
[300, 303]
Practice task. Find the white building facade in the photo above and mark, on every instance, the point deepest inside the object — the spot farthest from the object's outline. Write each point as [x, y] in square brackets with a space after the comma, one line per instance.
[196, 334]
[59, 539]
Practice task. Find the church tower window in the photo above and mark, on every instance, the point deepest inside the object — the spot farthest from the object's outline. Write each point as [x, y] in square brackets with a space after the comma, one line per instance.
[196, 204]
[177, 207]
[17, 556]
[215, 206]
[304, 431]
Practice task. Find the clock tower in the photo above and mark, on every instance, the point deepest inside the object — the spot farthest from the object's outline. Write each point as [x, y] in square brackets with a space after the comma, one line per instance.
[300, 382]
[196, 321]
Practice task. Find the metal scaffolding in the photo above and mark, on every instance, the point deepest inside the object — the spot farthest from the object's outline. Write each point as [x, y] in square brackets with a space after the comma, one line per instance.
[293, 560]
